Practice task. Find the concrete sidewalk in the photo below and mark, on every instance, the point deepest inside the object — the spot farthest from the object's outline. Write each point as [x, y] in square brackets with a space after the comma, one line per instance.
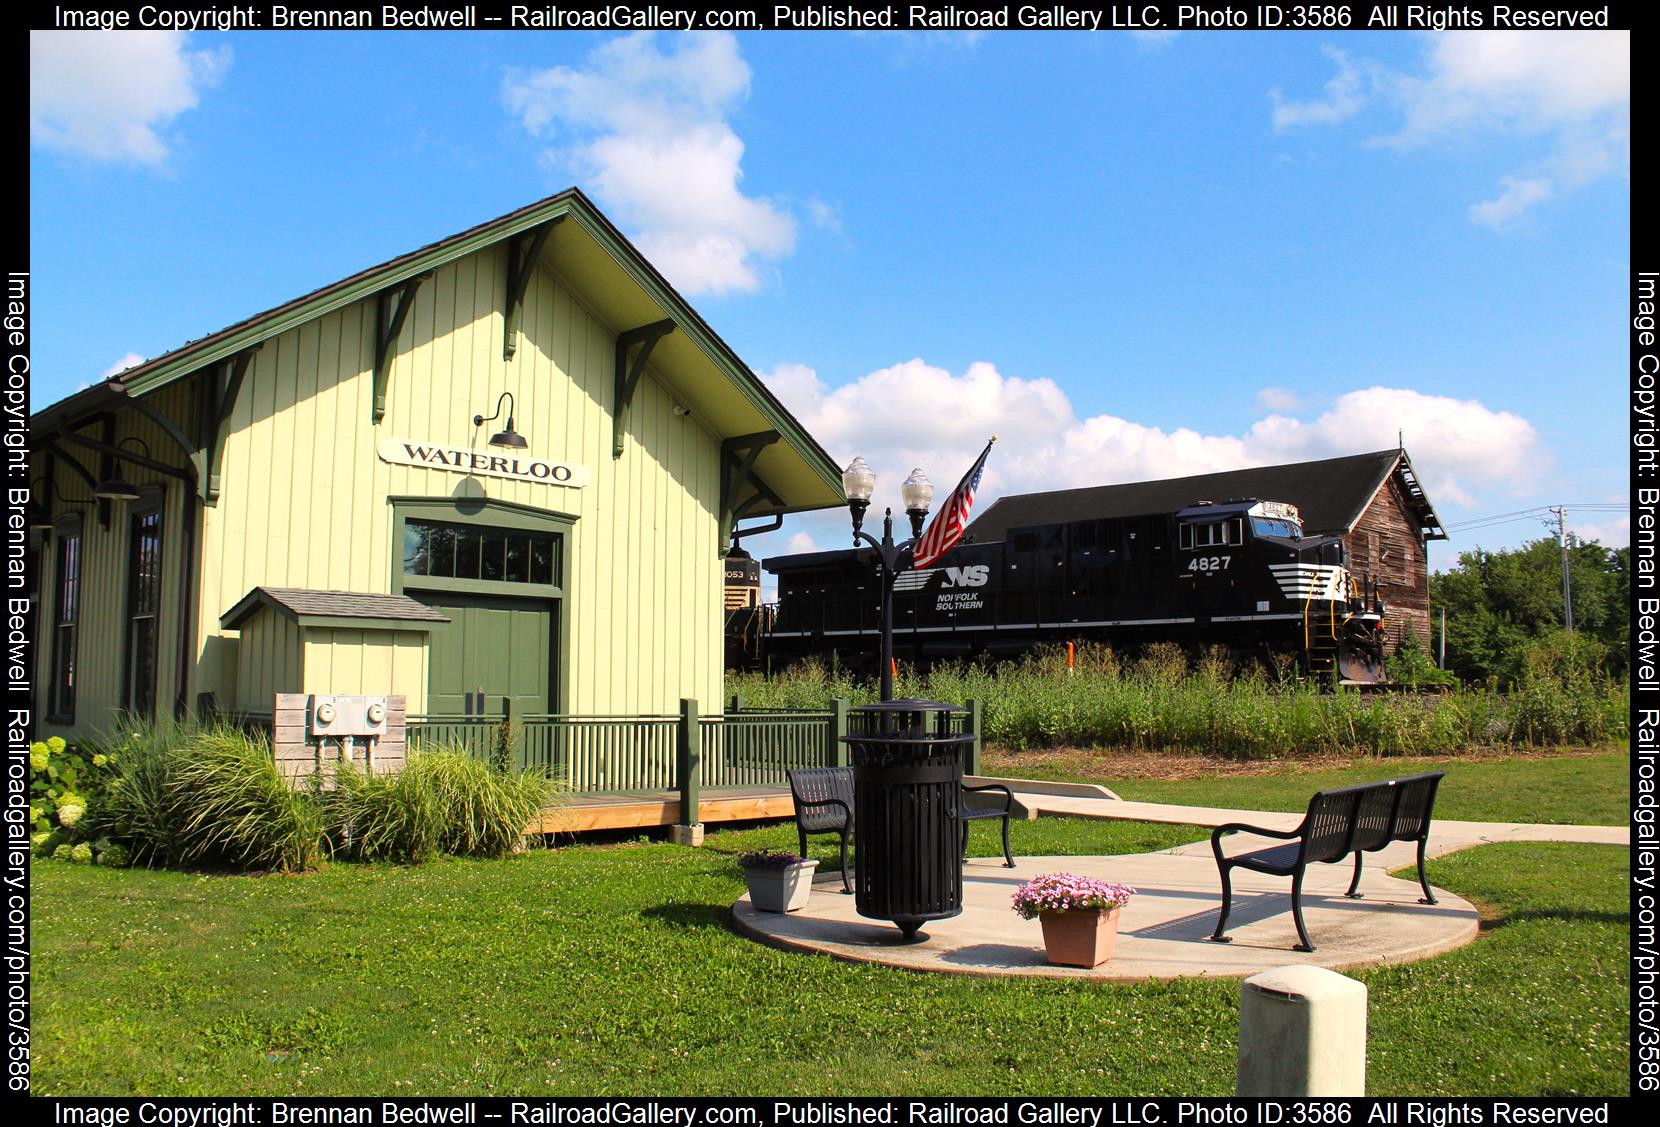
[1162, 933]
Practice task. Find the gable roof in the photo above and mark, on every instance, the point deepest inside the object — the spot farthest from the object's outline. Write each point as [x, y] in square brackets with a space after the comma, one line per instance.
[308, 607]
[1332, 494]
[616, 280]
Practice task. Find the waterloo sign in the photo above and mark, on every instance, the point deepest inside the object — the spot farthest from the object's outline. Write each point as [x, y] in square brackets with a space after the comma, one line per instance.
[458, 459]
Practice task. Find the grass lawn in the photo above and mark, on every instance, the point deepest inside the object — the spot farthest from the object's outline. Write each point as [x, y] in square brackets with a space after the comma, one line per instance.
[610, 969]
[1586, 786]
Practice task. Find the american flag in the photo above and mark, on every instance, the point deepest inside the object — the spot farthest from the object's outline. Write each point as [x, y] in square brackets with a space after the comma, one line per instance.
[952, 518]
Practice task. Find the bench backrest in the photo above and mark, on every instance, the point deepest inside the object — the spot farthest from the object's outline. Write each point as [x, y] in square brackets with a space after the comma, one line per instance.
[815, 784]
[1368, 817]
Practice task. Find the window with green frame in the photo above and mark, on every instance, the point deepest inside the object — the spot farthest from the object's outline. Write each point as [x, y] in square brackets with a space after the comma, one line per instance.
[143, 610]
[460, 551]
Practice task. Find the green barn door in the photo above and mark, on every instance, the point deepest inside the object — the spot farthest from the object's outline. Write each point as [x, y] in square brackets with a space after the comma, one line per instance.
[501, 645]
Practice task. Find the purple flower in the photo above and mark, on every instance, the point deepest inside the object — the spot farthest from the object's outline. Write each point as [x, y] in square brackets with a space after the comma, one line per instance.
[768, 859]
[1068, 892]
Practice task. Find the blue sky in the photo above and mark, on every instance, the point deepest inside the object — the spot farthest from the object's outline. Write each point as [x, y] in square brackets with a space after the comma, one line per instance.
[1131, 256]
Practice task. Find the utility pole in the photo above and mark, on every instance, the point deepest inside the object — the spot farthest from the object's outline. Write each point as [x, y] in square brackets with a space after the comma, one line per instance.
[1567, 583]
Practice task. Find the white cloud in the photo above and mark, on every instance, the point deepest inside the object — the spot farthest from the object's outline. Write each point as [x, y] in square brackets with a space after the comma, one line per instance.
[1567, 94]
[1614, 533]
[1344, 95]
[1278, 399]
[1153, 41]
[915, 414]
[110, 95]
[645, 127]
[122, 365]
[1510, 205]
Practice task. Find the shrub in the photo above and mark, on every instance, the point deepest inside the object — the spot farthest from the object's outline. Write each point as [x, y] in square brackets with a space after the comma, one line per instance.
[442, 801]
[239, 807]
[142, 804]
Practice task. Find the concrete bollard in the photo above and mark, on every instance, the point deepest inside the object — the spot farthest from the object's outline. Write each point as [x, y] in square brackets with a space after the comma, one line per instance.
[1302, 1032]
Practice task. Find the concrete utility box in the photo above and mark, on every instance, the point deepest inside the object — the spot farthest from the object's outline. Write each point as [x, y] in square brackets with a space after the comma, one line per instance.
[1302, 1032]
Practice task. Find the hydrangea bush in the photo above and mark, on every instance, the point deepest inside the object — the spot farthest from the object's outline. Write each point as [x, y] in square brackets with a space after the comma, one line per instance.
[1067, 892]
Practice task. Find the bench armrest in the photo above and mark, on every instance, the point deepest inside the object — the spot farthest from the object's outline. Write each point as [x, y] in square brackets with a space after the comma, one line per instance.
[1243, 827]
[805, 803]
[1008, 795]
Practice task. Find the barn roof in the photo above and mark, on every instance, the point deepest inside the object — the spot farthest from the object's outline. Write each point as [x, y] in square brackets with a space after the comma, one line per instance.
[1332, 494]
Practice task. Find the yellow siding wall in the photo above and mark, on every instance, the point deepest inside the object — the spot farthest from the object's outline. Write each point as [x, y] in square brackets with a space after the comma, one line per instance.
[102, 643]
[269, 661]
[304, 501]
[367, 662]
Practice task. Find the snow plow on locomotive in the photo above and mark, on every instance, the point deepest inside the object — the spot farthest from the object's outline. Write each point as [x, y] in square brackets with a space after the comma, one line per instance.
[1240, 574]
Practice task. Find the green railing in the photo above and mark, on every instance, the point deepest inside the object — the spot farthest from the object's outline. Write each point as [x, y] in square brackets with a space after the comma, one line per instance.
[684, 753]
[757, 748]
[478, 736]
[601, 754]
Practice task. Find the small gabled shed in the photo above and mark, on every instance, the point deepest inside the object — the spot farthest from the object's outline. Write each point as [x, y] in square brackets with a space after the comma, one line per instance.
[339, 642]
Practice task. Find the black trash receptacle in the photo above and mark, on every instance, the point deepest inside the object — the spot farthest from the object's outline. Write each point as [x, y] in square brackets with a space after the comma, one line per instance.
[907, 790]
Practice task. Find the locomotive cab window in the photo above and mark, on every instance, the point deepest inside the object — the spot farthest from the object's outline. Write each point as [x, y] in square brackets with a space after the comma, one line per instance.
[1214, 534]
[1276, 526]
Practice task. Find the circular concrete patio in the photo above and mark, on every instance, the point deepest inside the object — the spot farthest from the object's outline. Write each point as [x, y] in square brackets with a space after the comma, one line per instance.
[1162, 933]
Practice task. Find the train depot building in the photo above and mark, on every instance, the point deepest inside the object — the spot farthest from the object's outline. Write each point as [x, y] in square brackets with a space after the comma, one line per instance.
[506, 463]
[1325, 560]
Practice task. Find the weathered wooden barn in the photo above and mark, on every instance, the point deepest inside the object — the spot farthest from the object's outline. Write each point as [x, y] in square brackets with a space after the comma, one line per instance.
[1374, 501]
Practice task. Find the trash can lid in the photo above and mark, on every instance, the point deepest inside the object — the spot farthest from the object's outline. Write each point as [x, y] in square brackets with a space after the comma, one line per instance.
[909, 704]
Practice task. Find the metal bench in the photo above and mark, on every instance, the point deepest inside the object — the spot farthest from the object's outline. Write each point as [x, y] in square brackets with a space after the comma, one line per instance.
[969, 814]
[824, 804]
[1357, 820]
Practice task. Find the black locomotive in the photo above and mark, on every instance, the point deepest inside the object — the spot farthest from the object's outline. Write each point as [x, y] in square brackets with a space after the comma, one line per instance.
[1240, 574]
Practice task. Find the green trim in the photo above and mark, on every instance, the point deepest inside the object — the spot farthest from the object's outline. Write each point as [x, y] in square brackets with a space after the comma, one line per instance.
[388, 328]
[568, 204]
[487, 513]
[345, 293]
[718, 353]
[627, 376]
[501, 514]
[502, 587]
[352, 622]
[523, 253]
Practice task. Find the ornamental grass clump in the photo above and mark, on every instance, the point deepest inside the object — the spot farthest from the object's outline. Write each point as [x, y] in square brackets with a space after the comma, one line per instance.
[1067, 892]
[769, 859]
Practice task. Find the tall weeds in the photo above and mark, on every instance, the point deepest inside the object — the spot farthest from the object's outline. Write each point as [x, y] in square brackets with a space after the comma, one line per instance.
[1164, 700]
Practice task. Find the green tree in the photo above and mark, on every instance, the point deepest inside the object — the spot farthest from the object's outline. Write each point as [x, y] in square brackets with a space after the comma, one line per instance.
[1499, 604]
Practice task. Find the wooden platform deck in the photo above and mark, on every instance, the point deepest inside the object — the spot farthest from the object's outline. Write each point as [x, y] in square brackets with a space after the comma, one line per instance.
[632, 809]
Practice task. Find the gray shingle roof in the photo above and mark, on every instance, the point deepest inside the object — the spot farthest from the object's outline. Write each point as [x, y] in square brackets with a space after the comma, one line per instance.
[298, 602]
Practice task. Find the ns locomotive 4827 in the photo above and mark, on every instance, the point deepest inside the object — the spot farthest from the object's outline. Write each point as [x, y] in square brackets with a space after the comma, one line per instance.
[1239, 573]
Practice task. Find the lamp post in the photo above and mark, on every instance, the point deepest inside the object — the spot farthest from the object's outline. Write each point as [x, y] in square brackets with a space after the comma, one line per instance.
[858, 482]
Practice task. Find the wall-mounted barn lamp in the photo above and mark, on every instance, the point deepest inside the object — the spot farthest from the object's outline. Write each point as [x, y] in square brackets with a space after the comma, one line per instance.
[508, 438]
[118, 488]
[40, 502]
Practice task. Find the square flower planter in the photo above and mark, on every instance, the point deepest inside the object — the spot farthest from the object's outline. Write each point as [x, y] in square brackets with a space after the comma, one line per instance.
[1080, 938]
[780, 890]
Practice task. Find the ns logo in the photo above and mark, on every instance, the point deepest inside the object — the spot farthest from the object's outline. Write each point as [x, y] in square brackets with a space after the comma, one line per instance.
[973, 576]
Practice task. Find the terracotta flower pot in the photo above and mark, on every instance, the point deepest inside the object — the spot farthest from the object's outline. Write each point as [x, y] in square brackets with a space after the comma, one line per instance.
[780, 890]
[1080, 939]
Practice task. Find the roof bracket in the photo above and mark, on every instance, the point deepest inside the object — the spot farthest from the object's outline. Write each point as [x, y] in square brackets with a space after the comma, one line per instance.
[221, 384]
[391, 308]
[738, 457]
[628, 375]
[523, 252]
